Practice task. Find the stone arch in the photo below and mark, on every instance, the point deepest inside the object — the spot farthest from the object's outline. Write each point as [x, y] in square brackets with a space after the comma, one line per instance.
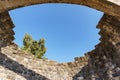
[108, 51]
[105, 6]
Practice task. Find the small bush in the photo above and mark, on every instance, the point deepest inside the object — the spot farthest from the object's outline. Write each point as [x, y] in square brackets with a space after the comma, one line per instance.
[37, 48]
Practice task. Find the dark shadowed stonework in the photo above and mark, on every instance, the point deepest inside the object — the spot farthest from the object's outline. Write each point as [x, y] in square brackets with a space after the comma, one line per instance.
[102, 63]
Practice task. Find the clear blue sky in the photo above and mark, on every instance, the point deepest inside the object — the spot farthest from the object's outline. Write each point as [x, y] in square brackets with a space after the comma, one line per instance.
[69, 30]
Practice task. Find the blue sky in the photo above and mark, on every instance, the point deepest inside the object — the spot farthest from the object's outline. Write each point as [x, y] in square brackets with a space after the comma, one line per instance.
[69, 30]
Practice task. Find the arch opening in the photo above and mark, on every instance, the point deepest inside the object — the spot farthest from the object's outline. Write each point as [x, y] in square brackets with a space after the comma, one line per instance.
[100, 63]
[74, 23]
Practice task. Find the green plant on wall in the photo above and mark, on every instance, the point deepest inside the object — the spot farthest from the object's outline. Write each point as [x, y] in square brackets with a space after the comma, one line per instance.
[37, 48]
[27, 42]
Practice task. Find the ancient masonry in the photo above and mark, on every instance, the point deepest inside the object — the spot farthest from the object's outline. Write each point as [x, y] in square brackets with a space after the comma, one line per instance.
[102, 63]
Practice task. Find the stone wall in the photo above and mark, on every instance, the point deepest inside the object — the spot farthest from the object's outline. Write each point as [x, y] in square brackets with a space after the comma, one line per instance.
[6, 29]
[18, 65]
[110, 7]
[103, 62]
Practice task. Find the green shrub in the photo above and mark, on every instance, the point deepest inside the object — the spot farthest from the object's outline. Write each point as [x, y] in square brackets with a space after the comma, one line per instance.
[37, 48]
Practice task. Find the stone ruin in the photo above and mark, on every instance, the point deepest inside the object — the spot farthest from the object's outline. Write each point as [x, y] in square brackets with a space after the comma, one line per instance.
[102, 63]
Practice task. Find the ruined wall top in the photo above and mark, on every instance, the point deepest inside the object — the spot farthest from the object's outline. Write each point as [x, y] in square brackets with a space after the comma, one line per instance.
[25, 66]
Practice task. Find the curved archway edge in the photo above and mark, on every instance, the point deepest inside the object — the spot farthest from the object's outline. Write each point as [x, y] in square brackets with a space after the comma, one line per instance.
[106, 52]
[105, 6]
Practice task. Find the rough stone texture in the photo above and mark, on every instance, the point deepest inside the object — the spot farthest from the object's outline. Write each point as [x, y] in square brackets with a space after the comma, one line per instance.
[16, 64]
[103, 62]
[6, 29]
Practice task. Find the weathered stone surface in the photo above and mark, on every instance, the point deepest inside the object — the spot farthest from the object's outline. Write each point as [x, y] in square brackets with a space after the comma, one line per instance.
[16, 64]
[103, 62]
[6, 32]
[102, 5]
